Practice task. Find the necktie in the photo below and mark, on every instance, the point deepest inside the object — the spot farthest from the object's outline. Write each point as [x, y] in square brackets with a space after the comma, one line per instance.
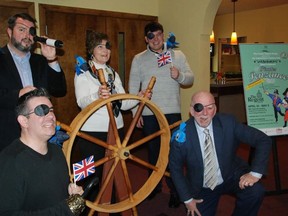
[210, 170]
[116, 105]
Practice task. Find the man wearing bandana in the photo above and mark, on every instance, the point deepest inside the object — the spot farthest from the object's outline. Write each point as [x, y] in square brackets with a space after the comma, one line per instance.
[172, 71]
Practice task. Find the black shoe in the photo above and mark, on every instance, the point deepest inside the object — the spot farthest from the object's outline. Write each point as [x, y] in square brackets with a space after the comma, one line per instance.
[154, 193]
[174, 201]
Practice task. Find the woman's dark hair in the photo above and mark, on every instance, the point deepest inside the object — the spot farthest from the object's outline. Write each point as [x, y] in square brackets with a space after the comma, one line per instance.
[24, 16]
[22, 108]
[93, 39]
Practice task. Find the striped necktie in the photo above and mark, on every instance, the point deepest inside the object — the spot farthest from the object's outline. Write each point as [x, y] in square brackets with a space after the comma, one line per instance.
[210, 170]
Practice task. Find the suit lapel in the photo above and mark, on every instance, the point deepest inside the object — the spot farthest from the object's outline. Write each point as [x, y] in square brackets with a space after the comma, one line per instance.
[218, 140]
[194, 139]
[34, 65]
[11, 67]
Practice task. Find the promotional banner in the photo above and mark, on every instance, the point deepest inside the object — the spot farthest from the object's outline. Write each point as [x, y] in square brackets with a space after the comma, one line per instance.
[265, 83]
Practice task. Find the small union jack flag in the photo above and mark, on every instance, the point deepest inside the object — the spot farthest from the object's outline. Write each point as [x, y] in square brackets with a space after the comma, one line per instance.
[83, 168]
[164, 58]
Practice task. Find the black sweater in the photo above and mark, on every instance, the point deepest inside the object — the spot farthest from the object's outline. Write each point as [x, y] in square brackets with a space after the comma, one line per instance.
[31, 183]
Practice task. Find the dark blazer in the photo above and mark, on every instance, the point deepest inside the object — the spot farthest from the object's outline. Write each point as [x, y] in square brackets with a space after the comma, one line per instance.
[10, 85]
[228, 134]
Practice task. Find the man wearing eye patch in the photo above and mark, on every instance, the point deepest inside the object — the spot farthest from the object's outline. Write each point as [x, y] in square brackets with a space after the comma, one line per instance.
[170, 76]
[232, 175]
[22, 70]
[34, 178]
[88, 89]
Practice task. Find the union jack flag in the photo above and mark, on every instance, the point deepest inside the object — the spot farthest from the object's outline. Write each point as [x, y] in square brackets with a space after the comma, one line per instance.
[164, 58]
[83, 168]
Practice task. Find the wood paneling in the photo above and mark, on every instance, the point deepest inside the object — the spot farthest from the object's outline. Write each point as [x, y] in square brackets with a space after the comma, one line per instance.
[10, 8]
[70, 25]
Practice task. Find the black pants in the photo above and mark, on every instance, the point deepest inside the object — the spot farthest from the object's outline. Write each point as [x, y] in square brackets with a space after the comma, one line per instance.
[150, 126]
[248, 200]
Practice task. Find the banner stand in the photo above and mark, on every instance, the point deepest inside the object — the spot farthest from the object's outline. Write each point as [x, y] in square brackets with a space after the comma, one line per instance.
[265, 84]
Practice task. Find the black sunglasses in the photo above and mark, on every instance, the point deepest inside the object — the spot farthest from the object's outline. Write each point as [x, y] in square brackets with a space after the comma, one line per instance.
[41, 110]
[198, 107]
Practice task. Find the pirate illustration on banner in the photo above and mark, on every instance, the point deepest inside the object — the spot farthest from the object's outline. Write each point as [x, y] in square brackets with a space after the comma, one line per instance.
[285, 105]
[276, 102]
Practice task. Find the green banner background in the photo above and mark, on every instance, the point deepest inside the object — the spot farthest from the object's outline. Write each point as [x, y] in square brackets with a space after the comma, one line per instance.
[265, 75]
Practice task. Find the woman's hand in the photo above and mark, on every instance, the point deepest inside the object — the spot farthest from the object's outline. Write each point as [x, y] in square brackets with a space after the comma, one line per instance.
[104, 92]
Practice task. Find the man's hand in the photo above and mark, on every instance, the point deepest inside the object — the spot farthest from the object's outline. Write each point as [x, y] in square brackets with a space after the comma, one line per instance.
[75, 189]
[25, 90]
[75, 201]
[174, 72]
[247, 180]
[143, 92]
[192, 207]
[48, 52]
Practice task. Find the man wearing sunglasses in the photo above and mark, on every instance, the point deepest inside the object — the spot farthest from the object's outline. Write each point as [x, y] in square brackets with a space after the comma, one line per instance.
[34, 178]
[210, 140]
[22, 70]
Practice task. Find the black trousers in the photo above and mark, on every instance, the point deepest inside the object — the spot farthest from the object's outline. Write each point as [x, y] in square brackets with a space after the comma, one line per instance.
[150, 126]
[248, 200]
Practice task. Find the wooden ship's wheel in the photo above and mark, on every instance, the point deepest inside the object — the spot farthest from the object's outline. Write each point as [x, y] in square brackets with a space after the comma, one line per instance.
[120, 153]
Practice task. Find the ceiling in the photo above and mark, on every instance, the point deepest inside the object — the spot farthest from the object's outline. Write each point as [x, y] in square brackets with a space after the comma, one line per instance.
[226, 6]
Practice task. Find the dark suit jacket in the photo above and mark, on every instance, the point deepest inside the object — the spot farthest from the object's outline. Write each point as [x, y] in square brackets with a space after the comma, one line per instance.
[228, 134]
[10, 85]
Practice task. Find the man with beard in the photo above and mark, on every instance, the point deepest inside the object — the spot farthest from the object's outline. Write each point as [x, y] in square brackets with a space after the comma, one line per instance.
[22, 70]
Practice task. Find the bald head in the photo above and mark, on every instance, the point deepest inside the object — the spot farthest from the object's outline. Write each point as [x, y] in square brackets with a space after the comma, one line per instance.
[202, 97]
[203, 108]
